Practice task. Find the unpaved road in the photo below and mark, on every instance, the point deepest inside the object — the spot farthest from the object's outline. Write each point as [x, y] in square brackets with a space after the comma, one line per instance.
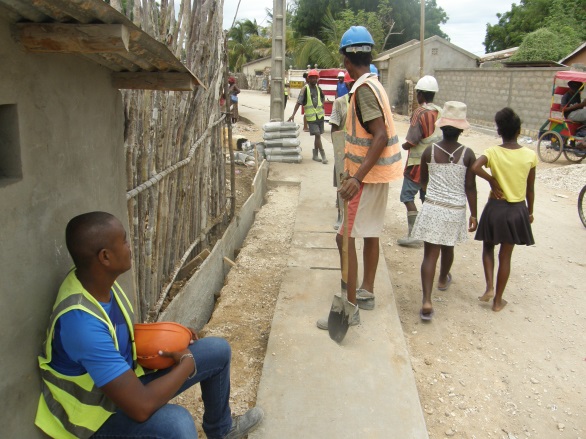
[519, 373]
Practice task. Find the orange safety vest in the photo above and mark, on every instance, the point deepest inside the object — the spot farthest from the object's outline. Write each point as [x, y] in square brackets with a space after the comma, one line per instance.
[388, 167]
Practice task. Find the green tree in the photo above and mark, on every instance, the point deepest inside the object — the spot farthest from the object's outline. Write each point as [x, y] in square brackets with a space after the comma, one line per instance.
[247, 41]
[323, 51]
[547, 44]
[530, 15]
[399, 17]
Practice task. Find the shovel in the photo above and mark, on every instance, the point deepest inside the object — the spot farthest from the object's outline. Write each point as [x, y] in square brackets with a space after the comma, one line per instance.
[341, 311]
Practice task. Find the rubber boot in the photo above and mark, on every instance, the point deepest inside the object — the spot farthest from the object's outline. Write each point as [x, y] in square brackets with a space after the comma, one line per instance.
[315, 157]
[408, 241]
[324, 160]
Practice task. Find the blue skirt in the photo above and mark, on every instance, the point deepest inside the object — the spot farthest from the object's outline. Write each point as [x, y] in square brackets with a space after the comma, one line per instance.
[506, 222]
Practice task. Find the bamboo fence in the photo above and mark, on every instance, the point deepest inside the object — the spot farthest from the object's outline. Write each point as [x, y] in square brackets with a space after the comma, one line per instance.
[174, 141]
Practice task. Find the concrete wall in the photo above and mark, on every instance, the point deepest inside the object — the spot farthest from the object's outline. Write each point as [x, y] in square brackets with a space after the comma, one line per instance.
[405, 66]
[70, 141]
[486, 91]
[195, 303]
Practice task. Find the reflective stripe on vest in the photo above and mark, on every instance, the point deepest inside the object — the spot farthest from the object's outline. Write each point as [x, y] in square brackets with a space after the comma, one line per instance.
[312, 113]
[72, 406]
[415, 152]
[388, 167]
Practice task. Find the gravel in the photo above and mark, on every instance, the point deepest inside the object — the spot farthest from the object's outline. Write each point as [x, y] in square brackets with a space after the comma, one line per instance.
[570, 178]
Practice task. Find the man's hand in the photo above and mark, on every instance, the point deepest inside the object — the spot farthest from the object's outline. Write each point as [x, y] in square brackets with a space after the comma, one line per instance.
[349, 188]
[290, 119]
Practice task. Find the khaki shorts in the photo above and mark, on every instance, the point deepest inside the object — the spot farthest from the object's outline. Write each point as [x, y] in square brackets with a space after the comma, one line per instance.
[366, 211]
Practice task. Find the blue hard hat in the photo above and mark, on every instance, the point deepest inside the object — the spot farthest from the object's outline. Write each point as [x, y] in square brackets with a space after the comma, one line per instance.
[356, 39]
[373, 69]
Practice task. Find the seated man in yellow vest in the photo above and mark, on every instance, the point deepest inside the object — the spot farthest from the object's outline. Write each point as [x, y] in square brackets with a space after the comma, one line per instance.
[421, 134]
[312, 99]
[373, 159]
[92, 385]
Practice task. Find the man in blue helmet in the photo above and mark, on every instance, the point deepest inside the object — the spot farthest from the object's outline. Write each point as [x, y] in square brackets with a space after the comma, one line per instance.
[372, 160]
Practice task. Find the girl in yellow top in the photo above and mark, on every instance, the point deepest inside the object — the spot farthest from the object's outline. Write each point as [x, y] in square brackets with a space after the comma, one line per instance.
[508, 214]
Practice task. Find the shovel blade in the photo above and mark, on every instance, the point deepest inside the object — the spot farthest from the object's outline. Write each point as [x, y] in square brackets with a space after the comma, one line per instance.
[338, 320]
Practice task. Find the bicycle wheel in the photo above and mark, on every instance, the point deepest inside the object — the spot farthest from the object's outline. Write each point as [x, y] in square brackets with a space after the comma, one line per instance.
[574, 155]
[549, 146]
[581, 205]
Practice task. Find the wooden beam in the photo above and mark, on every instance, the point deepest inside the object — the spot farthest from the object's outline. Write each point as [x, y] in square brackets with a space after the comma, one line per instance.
[179, 81]
[72, 38]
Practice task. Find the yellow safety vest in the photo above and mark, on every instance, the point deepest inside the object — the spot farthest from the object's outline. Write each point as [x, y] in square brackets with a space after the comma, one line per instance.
[72, 406]
[388, 167]
[312, 113]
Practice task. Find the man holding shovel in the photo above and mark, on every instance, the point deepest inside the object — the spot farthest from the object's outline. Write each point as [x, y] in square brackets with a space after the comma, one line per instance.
[372, 160]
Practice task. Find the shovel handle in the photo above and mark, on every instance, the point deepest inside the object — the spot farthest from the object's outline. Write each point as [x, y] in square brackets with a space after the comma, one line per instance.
[345, 245]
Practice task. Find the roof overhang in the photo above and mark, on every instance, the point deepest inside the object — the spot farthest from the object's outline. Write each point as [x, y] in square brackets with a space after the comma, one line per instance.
[94, 30]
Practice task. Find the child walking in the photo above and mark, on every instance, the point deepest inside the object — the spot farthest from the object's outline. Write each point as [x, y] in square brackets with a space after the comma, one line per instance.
[508, 214]
[449, 182]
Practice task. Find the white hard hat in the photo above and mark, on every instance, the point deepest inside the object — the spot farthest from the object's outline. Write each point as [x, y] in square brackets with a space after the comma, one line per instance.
[427, 83]
[341, 75]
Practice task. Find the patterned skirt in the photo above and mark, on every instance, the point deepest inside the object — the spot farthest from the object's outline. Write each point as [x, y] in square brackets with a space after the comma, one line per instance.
[440, 225]
[502, 221]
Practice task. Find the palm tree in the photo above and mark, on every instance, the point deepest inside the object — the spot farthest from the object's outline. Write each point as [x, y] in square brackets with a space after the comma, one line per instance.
[324, 51]
[239, 47]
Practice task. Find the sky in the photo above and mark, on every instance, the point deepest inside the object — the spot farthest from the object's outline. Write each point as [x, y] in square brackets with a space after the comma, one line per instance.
[466, 26]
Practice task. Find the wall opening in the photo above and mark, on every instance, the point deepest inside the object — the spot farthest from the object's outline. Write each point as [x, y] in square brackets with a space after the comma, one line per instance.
[10, 164]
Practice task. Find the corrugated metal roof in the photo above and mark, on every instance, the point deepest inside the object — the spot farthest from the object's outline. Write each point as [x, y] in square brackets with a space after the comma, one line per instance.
[144, 54]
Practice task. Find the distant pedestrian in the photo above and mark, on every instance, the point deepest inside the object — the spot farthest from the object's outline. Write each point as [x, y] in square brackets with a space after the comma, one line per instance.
[422, 133]
[341, 87]
[447, 177]
[508, 214]
[234, 91]
[312, 99]
[286, 95]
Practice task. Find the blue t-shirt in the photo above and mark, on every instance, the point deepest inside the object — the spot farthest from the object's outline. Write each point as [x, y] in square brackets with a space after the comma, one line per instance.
[82, 343]
[341, 89]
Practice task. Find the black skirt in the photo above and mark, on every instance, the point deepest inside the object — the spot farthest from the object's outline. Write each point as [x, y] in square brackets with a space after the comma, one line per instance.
[506, 222]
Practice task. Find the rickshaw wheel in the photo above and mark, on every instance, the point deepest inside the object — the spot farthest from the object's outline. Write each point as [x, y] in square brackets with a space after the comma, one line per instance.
[572, 156]
[581, 205]
[549, 146]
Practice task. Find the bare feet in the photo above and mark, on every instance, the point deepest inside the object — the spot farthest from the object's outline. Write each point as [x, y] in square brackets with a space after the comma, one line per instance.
[497, 307]
[488, 294]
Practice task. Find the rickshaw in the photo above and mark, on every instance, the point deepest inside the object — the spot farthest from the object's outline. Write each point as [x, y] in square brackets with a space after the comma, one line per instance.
[558, 134]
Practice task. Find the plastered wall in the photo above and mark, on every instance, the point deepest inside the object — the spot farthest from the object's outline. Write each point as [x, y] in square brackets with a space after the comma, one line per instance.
[70, 141]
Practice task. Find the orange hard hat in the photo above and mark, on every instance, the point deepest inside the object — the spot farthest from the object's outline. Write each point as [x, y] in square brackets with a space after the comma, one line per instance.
[313, 72]
[150, 338]
[347, 77]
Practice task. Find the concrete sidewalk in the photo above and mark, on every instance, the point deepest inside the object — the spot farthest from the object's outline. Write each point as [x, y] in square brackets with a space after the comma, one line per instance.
[312, 387]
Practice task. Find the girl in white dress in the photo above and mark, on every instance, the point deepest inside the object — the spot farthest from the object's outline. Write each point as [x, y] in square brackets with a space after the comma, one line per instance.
[448, 180]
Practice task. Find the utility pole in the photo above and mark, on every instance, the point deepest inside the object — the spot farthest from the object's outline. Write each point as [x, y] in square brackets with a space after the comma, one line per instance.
[421, 38]
[278, 61]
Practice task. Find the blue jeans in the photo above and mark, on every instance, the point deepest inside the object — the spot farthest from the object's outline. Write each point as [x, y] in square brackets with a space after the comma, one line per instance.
[212, 356]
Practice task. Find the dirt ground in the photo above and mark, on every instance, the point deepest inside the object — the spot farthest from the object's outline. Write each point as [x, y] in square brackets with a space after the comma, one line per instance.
[514, 374]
